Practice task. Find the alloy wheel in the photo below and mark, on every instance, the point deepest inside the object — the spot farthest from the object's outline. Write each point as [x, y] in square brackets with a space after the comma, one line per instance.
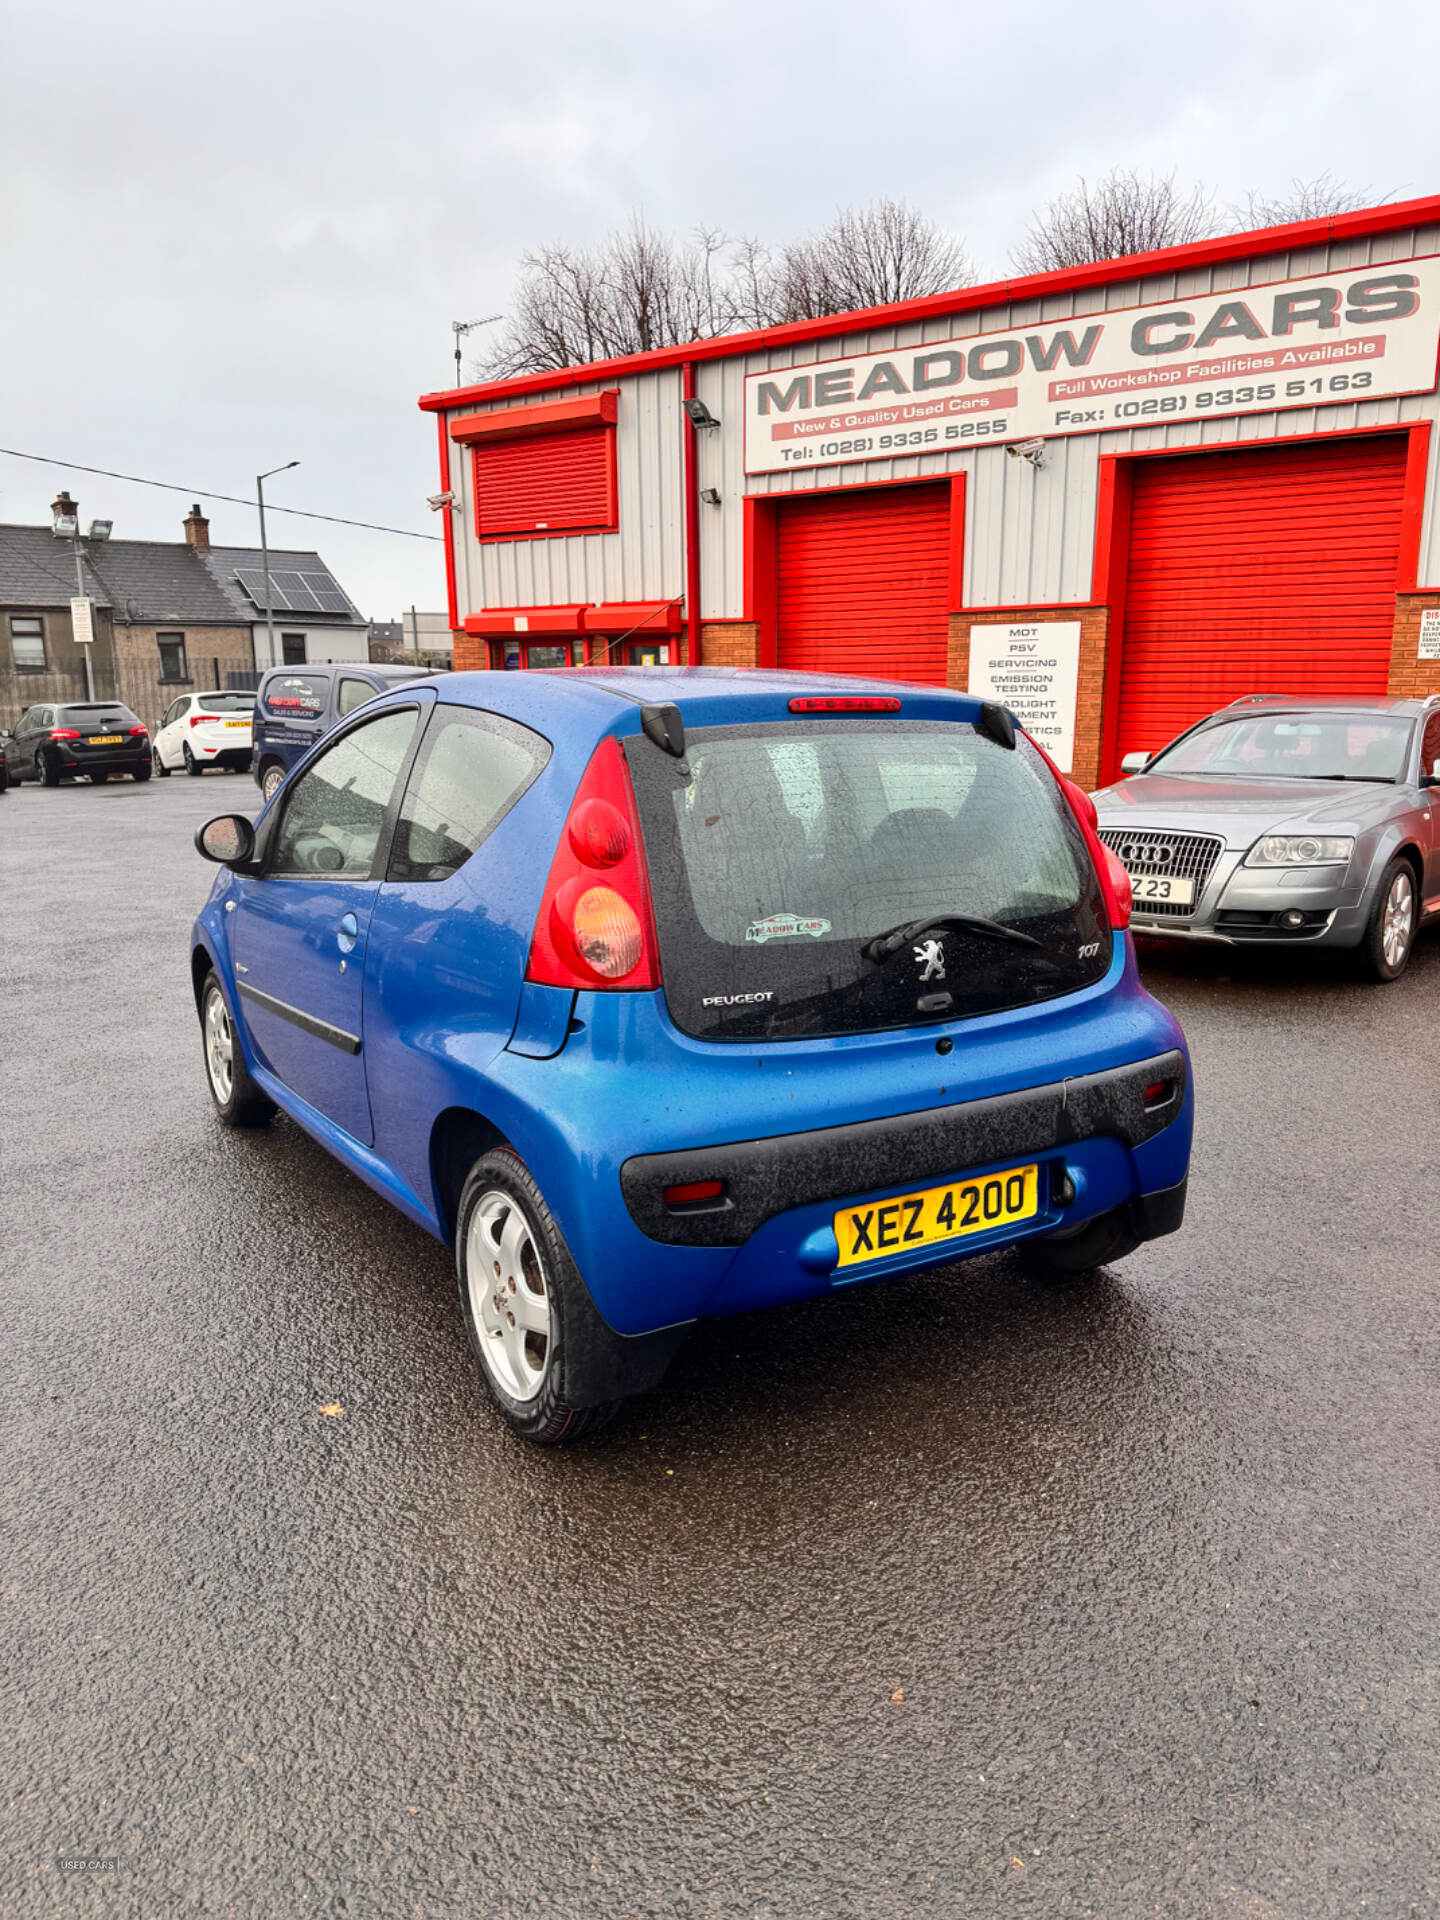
[274, 780]
[509, 1297]
[219, 1047]
[1397, 925]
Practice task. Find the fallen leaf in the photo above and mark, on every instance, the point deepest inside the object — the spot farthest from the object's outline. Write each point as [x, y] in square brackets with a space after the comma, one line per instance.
[898, 1696]
[333, 1411]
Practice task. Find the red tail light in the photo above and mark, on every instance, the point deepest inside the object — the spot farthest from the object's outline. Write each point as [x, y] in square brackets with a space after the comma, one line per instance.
[135, 730]
[596, 927]
[64, 733]
[1114, 880]
[199, 719]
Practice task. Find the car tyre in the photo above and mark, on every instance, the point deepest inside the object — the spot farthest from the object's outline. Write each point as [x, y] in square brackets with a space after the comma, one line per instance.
[158, 764]
[1075, 1256]
[238, 1101]
[1389, 940]
[525, 1305]
[271, 780]
[98, 779]
[192, 765]
[46, 771]
[141, 773]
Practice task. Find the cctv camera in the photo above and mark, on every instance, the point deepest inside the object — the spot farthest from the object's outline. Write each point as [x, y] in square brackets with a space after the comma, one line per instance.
[438, 500]
[1031, 450]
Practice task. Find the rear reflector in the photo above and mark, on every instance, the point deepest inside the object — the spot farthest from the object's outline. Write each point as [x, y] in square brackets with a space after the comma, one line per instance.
[1158, 1092]
[694, 1190]
[844, 703]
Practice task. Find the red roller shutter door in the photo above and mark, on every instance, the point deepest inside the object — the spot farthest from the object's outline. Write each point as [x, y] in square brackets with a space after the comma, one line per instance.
[862, 583]
[1268, 570]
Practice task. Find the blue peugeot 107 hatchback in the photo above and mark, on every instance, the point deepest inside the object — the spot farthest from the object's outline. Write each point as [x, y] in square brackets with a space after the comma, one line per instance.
[661, 996]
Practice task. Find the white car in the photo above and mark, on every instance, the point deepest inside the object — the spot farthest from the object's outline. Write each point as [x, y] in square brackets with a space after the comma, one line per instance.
[202, 730]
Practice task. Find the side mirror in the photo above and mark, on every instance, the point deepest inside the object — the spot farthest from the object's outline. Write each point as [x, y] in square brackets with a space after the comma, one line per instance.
[228, 840]
[1134, 763]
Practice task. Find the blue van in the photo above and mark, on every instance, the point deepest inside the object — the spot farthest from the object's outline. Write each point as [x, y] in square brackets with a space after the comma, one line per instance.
[295, 705]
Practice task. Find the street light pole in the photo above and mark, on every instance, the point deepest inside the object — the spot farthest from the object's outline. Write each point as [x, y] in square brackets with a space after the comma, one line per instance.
[80, 591]
[260, 480]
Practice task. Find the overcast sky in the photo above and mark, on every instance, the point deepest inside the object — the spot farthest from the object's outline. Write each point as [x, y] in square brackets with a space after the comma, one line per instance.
[234, 235]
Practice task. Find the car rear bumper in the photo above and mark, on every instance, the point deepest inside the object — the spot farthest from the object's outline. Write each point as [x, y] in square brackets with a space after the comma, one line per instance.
[800, 1132]
[118, 762]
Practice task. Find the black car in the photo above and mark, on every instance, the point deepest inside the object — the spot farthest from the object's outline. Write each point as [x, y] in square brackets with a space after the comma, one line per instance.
[52, 743]
[4, 766]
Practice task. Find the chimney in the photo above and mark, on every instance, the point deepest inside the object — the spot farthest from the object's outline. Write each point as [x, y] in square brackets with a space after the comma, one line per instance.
[197, 530]
[63, 504]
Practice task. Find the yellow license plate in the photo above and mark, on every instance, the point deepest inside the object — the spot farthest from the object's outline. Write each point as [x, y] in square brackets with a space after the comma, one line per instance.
[103, 740]
[882, 1228]
[237, 723]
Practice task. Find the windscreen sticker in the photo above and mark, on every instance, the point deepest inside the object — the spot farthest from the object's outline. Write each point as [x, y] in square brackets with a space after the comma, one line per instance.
[784, 926]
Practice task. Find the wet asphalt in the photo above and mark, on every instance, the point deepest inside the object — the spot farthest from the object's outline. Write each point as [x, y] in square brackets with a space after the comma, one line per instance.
[963, 1596]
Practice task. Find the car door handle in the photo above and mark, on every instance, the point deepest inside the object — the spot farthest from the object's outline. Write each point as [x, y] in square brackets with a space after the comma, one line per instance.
[347, 933]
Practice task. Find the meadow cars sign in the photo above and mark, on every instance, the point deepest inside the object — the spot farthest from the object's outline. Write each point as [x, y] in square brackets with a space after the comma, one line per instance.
[1365, 334]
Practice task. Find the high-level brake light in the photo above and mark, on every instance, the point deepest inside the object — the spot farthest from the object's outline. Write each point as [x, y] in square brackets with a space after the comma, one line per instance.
[844, 703]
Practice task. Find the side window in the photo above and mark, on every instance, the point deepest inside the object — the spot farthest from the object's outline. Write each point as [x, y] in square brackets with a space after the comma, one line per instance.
[333, 819]
[1430, 746]
[173, 713]
[353, 693]
[471, 770]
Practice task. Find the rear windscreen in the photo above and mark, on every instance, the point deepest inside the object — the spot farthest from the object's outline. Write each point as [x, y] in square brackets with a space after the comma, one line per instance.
[96, 719]
[777, 853]
[227, 703]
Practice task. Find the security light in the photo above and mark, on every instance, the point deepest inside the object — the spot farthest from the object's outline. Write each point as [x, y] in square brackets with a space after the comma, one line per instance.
[66, 525]
[100, 529]
[700, 414]
[711, 496]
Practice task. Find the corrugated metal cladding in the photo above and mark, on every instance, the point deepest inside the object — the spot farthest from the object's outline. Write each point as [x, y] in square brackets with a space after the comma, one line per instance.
[860, 583]
[549, 480]
[1267, 570]
[1029, 536]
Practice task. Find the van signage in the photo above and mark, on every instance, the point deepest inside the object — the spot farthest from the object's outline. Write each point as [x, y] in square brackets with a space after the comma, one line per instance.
[1328, 340]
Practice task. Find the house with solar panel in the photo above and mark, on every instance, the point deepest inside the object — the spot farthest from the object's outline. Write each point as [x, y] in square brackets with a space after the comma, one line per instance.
[312, 617]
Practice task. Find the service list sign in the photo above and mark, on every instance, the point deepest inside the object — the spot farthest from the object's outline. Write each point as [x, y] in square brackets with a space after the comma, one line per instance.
[1364, 334]
[1034, 671]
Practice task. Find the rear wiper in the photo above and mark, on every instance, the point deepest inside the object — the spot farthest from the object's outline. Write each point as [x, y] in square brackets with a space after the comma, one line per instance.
[885, 944]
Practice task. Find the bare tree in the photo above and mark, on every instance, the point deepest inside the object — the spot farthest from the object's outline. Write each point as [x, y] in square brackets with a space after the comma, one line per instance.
[639, 289]
[866, 257]
[1123, 213]
[1306, 200]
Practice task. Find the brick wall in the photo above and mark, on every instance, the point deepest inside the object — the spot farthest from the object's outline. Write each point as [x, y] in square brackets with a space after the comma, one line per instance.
[472, 653]
[210, 653]
[1410, 677]
[1090, 688]
[729, 643]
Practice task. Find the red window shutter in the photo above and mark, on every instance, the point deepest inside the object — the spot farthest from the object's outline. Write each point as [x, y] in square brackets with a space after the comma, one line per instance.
[546, 483]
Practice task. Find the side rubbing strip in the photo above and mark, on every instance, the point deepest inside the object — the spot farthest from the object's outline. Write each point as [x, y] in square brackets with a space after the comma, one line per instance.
[307, 1023]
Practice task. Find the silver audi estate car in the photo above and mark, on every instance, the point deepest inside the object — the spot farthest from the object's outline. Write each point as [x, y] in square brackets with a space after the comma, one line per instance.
[1297, 821]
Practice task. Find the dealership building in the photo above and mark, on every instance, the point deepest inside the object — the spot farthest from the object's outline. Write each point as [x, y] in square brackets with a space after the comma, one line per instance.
[1116, 496]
